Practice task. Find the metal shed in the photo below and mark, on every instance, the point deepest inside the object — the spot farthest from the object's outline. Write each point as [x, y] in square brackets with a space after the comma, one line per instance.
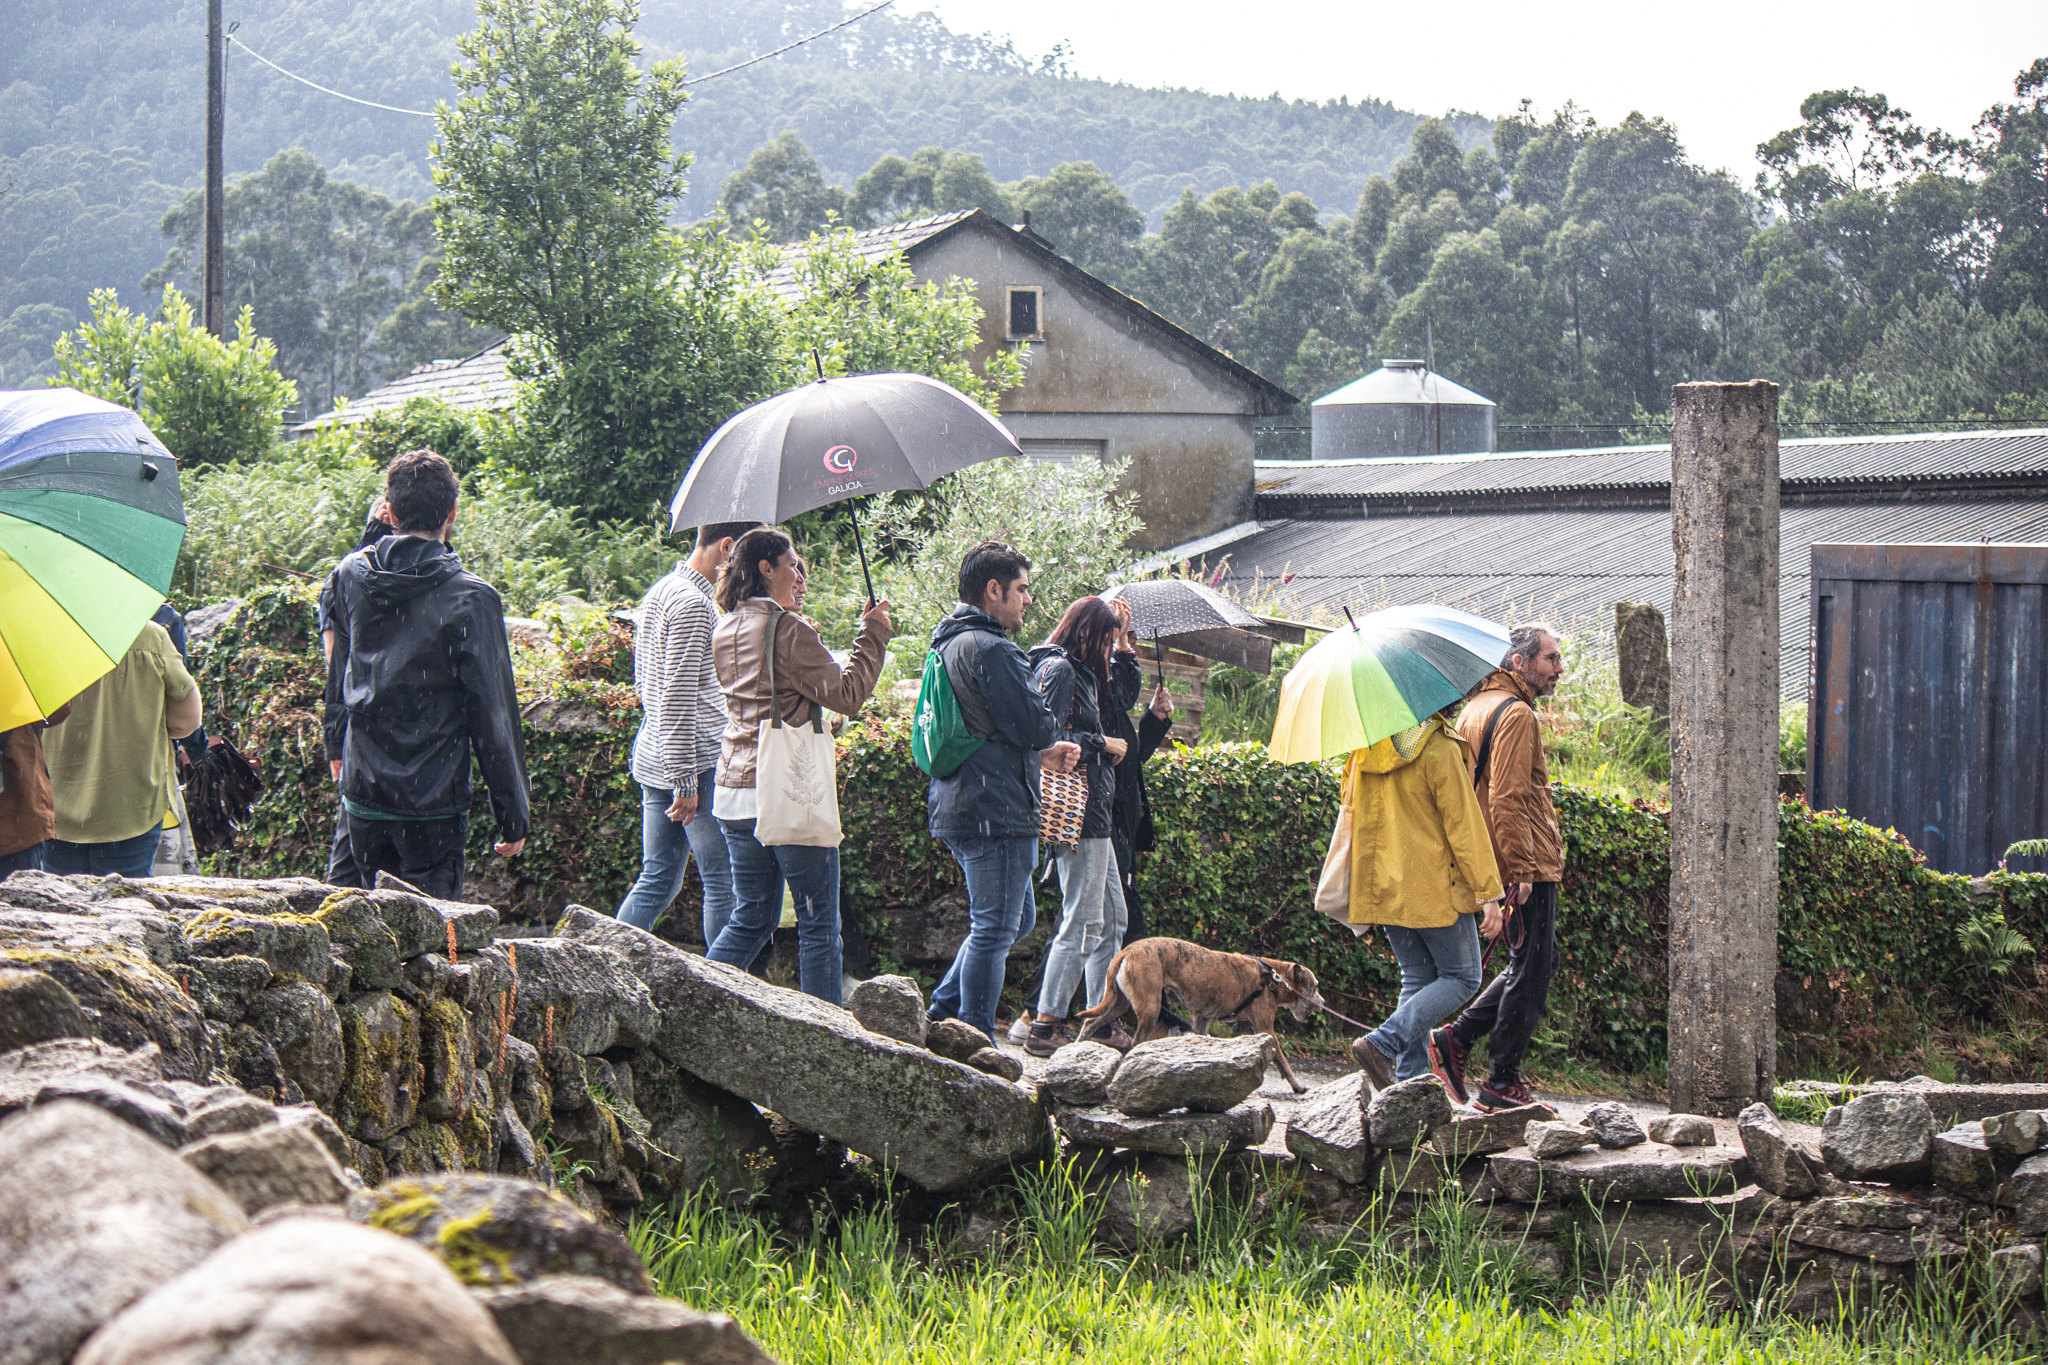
[1928, 711]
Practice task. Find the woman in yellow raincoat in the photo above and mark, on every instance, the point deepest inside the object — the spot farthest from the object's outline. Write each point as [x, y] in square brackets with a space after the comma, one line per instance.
[1410, 852]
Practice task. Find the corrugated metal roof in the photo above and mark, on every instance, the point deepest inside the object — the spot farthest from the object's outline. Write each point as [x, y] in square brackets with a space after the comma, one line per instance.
[1402, 381]
[1572, 566]
[483, 380]
[1827, 459]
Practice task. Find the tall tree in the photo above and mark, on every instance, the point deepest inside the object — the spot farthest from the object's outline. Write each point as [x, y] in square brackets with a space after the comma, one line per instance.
[555, 174]
[1086, 216]
[2014, 198]
[321, 262]
[1662, 239]
[781, 192]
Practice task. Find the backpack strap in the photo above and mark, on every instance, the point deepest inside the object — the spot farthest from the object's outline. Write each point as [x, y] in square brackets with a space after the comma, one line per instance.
[1486, 739]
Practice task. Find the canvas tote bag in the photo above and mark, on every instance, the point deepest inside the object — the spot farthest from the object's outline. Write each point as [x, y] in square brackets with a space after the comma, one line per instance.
[796, 782]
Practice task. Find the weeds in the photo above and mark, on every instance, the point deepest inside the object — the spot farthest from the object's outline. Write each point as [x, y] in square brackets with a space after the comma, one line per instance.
[1445, 1285]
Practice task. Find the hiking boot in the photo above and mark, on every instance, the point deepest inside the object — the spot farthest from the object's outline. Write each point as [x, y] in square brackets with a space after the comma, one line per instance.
[1494, 1098]
[1447, 1060]
[1373, 1063]
[1047, 1036]
[1115, 1036]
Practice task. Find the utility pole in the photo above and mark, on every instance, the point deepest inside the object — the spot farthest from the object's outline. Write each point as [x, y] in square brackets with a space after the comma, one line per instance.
[213, 262]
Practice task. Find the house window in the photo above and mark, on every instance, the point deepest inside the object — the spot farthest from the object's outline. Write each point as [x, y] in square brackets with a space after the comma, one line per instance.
[1026, 323]
[1063, 450]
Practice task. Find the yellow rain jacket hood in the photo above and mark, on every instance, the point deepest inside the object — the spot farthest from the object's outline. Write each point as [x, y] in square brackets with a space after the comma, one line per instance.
[1420, 856]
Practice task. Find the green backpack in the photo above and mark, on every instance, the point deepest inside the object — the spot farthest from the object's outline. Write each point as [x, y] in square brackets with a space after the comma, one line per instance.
[939, 740]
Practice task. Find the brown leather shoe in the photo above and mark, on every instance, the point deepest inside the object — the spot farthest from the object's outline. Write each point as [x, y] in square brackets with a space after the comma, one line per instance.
[1374, 1063]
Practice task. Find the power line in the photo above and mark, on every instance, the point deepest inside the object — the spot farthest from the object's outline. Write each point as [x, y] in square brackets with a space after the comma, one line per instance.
[428, 113]
[388, 108]
[788, 46]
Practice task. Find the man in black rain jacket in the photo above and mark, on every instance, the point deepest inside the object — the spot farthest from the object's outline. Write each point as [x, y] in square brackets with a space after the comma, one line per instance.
[420, 677]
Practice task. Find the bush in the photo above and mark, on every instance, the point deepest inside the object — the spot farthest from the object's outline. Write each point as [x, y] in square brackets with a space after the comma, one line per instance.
[299, 511]
[208, 400]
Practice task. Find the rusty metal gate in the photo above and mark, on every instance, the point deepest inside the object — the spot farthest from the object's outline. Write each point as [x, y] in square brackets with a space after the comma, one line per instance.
[1927, 712]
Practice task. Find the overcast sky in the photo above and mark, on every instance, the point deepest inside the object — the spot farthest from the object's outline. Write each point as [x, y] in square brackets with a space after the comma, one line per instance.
[1728, 76]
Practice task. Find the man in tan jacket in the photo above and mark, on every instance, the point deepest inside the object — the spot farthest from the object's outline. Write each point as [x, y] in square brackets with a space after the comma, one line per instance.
[1499, 724]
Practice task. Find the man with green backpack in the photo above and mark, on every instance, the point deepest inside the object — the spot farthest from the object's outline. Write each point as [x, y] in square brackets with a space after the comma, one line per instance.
[982, 732]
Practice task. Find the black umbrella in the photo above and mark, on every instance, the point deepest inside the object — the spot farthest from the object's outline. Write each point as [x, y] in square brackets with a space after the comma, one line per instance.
[835, 439]
[1181, 611]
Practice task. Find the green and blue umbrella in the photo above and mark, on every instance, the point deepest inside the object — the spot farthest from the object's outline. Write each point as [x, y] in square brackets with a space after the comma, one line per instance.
[1386, 672]
[90, 525]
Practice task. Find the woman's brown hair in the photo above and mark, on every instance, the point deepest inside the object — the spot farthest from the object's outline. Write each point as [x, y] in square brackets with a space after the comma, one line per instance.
[741, 577]
[1087, 632]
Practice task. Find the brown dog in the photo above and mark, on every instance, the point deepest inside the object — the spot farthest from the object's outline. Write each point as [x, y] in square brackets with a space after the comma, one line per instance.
[1211, 986]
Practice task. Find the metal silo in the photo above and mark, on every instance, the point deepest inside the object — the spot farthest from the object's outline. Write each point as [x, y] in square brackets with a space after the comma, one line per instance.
[1402, 408]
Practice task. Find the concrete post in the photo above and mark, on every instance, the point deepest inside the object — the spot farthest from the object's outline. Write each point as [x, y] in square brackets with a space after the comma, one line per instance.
[1724, 745]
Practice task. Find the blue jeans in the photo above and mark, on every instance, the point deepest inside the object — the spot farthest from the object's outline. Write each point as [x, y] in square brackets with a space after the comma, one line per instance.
[28, 859]
[999, 912]
[758, 872]
[666, 847]
[1091, 932]
[125, 857]
[1439, 973]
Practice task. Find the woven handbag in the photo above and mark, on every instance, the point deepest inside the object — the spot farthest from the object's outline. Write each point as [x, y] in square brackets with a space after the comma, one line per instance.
[1062, 804]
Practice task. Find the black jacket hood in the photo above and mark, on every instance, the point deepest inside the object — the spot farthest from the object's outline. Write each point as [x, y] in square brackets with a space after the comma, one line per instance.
[962, 619]
[399, 568]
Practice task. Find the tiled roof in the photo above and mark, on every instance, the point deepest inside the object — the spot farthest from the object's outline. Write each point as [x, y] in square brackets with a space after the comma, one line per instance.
[873, 244]
[483, 380]
[1815, 462]
[1570, 566]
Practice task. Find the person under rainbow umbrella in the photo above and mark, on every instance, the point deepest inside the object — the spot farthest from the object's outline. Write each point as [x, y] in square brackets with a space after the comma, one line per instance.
[1389, 671]
[90, 524]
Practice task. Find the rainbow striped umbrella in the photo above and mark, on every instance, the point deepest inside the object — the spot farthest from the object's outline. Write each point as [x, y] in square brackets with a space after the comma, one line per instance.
[90, 524]
[1384, 673]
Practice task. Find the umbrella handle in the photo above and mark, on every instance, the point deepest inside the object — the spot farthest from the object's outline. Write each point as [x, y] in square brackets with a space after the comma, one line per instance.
[862, 551]
[1159, 658]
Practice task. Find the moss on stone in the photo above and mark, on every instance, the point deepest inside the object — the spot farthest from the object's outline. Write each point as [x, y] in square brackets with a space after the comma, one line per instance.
[469, 1253]
[409, 1207]
[209, 926]
[369, 1061]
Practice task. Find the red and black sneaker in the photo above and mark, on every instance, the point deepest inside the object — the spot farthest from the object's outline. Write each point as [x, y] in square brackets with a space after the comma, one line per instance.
[1494, 1098]
[1447, 1060]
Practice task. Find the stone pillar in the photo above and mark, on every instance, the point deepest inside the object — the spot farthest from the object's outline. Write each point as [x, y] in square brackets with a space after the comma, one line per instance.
[1724, 745]
[1643, 655]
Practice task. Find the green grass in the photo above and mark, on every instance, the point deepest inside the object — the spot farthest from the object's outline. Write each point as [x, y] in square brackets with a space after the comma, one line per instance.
[1244, 1286]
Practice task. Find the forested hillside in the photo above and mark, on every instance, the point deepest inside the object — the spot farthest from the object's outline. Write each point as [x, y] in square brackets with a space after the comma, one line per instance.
[1889, 274]
[101, 123]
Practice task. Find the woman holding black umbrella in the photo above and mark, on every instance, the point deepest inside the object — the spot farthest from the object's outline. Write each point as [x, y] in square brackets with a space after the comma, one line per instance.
[770, 660]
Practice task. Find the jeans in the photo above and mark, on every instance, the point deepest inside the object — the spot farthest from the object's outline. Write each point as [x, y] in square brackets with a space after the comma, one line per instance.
[1000, 911]
[665, 848]
[1091, 929]
[758, 873]
[1439, 972]
[423, 853]
[1511, 1006]
[28, 859]
[124, 857]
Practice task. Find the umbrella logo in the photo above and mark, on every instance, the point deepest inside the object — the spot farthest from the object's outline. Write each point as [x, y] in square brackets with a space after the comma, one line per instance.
[841, 459]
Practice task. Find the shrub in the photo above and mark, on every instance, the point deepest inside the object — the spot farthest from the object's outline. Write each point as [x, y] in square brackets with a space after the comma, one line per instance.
[210, 401]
